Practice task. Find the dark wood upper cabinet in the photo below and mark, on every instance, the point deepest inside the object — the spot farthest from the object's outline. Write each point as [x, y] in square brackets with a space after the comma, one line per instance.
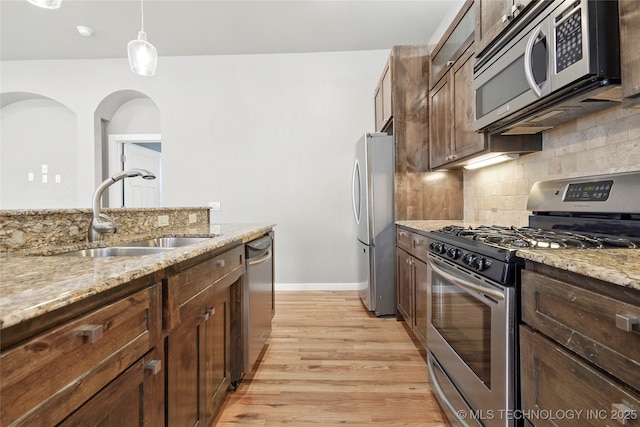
[629, 11]
[493, 17]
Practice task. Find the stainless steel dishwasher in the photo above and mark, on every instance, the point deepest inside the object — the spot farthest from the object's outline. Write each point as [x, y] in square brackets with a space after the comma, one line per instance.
[257, 299]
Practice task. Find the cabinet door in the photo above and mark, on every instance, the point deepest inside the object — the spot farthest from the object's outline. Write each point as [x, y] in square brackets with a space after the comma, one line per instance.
[420, 285]
[217, 352]
[489, 19]
[378, 106]
[387, 104]
[185, 353]
[440, 123]
[558, 382]
[630, 50]
[134, 398]
[404, 285]
[465, 140]
[494, 17]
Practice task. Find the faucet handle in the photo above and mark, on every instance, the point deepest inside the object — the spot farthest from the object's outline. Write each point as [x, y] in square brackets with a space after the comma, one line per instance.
[107, 227]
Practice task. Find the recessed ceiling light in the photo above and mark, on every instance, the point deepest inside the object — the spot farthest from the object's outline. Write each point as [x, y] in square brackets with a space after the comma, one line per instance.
[84, 31]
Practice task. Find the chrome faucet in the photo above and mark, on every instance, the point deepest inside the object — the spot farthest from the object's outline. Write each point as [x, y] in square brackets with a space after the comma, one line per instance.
[101, 223]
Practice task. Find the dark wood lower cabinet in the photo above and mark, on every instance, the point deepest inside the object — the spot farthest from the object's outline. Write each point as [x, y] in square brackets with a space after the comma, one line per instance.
[134, 398]
[199, 359]
[411, 281]
[579, 350]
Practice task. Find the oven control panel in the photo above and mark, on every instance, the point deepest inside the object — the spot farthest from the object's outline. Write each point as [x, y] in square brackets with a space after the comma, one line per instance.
[596, 191]
[469, 259]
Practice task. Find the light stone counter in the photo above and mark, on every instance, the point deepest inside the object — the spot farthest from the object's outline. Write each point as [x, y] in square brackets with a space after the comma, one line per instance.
[435, 224]
[34, 285]
[618, 266]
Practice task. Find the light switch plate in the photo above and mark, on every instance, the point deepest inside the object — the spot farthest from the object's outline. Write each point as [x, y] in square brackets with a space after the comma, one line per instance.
[215, 206]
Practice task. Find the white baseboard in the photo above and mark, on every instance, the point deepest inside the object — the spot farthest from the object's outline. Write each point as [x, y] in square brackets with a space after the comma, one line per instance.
[316, 286]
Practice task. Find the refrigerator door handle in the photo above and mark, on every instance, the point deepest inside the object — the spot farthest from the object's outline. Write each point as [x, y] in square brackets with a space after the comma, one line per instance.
[356, 205]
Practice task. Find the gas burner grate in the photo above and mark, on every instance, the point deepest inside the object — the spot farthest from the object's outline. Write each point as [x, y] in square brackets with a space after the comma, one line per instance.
[528, 237]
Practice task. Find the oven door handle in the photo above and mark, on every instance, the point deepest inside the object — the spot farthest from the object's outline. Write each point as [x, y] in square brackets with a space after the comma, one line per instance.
[483, 290]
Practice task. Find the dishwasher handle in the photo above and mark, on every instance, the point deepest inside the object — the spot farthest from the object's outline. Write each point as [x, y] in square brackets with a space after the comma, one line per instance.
[252, 261]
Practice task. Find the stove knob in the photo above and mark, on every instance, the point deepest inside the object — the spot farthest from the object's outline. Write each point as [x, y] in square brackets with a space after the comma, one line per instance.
[480, 264]
[453, 253]
[468, 259]
[442, 249]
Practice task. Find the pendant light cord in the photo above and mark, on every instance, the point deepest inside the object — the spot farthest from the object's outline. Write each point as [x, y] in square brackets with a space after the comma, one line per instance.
[141, 15]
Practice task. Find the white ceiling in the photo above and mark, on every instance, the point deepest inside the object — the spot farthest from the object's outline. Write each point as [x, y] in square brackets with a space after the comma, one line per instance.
[216, 27]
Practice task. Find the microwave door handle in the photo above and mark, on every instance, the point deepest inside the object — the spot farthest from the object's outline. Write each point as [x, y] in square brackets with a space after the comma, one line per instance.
[528, 66]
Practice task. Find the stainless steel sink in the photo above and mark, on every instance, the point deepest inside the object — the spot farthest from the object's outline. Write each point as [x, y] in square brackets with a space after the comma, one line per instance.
[165, 242]
[116, 251]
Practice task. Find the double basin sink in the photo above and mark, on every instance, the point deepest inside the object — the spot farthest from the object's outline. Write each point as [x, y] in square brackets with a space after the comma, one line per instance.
[141, 247]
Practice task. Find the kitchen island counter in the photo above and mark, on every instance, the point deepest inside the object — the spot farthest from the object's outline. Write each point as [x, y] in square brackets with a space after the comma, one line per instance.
[33, 285]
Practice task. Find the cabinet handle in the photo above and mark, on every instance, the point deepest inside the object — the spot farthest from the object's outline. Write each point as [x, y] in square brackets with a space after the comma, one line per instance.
[623, 413]
[450, 63]
[220, 263]
[515, 8]
[403, 233]
[154, 366]
[207, 312]
[506, 18]
[92, 332]
[626, 322]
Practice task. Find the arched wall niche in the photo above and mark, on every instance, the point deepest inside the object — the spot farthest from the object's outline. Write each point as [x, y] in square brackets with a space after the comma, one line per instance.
[38, 139]
[128, 114]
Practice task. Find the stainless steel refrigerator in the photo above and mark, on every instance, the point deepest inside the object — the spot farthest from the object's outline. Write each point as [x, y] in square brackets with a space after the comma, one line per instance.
[372, 192]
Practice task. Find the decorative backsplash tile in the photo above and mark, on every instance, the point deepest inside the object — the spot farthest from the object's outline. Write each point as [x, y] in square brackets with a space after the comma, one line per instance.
[22, 230]
[605, 142]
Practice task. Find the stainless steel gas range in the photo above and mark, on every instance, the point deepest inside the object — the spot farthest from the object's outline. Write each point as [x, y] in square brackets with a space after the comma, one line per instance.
[474, 285]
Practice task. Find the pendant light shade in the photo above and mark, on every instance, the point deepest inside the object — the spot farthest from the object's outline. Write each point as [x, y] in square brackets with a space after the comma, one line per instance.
[143, 56]
[47, 4]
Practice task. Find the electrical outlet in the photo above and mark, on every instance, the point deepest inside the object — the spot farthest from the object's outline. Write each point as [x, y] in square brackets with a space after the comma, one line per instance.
[30, 177]
[193, 218]
[58, 178]
[163, 220]
[45, 169]
[44, 179]
[215, 206]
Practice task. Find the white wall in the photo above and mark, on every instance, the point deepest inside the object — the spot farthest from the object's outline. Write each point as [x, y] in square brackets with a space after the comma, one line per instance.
[269, 136]
[36, 132]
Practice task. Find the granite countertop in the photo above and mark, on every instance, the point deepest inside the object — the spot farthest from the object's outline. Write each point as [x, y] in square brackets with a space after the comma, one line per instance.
[35, 284]
[618, 266]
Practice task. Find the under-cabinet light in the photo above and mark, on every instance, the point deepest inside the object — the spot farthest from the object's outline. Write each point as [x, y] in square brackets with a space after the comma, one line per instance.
[46, 4]
[492, 161]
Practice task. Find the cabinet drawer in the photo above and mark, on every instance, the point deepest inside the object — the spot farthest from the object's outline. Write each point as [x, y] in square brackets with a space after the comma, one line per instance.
[185, 290]
[53, 373]
[573, 393]
[403, 239]
[419, 246]
[588, 323]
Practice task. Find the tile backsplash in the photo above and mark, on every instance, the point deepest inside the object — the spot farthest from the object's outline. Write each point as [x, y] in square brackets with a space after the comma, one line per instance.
[605, 142]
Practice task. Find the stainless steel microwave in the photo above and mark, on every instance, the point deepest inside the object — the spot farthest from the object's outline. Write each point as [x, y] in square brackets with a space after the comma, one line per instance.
[560, 62]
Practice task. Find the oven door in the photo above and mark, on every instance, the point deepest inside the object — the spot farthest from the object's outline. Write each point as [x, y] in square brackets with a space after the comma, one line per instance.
[472, 336]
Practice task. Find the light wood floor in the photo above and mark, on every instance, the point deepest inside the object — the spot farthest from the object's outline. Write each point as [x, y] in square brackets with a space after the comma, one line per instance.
[329, 362]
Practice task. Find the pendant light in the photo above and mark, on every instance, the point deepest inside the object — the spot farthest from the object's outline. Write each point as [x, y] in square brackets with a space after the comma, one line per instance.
[46, 4]
[143, 56]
